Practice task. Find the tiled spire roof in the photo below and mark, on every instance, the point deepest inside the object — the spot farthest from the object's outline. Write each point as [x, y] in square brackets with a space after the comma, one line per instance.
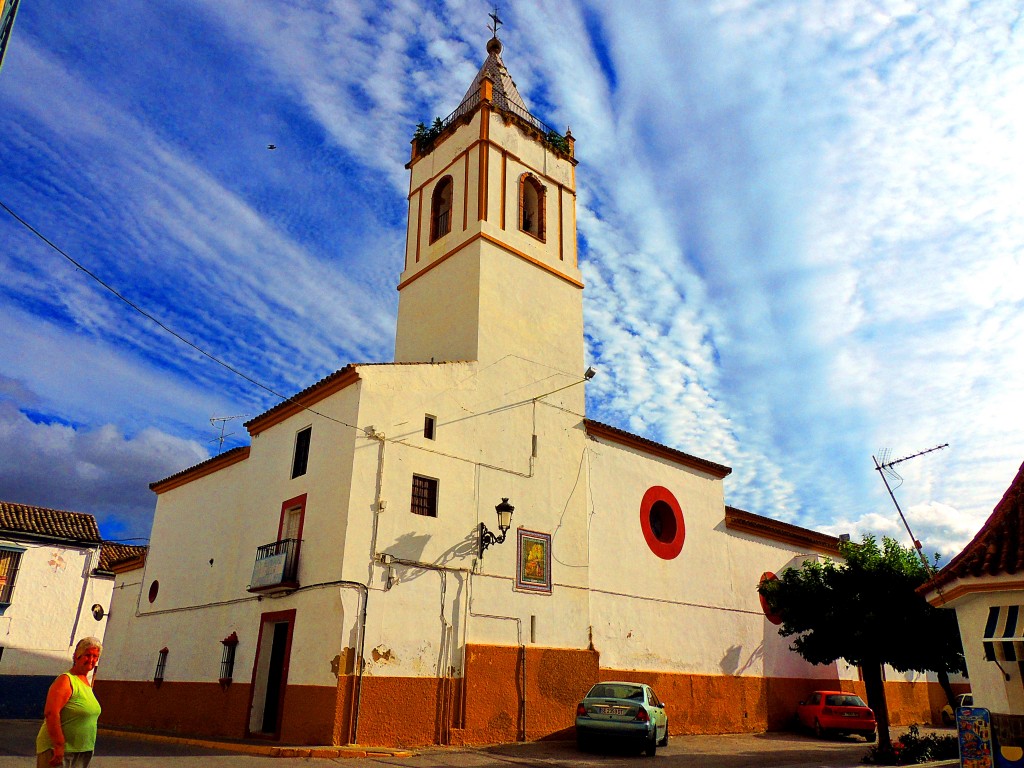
[998, 548]
[53, 523]
[506, 95]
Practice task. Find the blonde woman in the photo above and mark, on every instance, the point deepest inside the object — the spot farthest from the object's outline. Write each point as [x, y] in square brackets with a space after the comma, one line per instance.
[68, 734]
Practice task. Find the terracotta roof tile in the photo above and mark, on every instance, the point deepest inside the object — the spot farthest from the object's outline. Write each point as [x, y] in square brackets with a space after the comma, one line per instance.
[200, 469]
[53, 523]
[998, 548]
[307, 397]
[111, 552]
[786, 533]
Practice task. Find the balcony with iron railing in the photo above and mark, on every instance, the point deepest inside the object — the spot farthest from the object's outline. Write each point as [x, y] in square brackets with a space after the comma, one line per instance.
[277, 567]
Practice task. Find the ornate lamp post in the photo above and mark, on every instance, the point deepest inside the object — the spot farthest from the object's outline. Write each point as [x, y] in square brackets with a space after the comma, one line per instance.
[487, 538]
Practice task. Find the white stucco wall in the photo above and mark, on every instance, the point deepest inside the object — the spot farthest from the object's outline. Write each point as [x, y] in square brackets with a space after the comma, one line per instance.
[989, 685]
[51, 607]
[699, 612]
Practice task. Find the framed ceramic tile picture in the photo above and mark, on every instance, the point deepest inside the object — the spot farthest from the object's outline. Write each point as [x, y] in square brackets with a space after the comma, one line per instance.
[533, 568]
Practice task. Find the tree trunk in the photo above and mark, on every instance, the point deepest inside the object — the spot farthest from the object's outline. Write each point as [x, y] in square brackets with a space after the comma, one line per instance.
[946, 687]
[875, 689]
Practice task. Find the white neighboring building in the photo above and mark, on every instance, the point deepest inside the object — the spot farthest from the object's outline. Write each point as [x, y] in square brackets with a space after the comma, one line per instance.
[53, 570]
[326, 584]
[984, 584]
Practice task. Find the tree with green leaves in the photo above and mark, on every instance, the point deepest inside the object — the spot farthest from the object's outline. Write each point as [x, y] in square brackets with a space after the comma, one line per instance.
[866, 611]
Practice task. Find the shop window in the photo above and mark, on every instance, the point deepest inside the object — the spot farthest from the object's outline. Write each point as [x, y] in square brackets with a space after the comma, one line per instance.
[441, 208]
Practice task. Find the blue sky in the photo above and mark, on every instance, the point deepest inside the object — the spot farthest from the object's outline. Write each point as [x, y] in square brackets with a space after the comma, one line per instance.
[799, 222]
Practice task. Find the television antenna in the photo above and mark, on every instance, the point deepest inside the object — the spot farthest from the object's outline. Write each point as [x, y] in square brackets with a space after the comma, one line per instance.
[224, 434]
[885, 469]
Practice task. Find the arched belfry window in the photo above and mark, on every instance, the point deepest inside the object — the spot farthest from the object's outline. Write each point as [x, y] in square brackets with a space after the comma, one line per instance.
[531, 206]
[441, 209]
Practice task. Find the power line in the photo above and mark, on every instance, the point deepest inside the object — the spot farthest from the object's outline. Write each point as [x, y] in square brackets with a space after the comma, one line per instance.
[164, 327]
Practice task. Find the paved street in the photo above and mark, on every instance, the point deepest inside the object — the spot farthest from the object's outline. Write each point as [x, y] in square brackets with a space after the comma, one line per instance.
[775, 750]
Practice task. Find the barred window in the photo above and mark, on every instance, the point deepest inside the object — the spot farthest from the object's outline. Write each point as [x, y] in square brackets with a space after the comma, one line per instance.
[441, 209]
[10, 562]
[424, 496]
[227, 657]
[161, 665]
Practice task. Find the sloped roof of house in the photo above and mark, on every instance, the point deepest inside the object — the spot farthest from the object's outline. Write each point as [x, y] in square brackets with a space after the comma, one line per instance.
[29, 520]
[997, 549]
[112, 552]
[328, 385]
[786, 533]
[621, 436]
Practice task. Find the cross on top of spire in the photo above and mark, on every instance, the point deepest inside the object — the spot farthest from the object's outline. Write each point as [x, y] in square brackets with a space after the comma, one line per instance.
[495, 23]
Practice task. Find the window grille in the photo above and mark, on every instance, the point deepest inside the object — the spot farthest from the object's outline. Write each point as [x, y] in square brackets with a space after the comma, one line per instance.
[161, 665]
[424, 496]
[227, 657]
[10, 563]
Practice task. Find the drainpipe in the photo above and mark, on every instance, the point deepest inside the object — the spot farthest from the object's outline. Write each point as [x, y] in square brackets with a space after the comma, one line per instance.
[86, 573]
[358, 661]
[357, 696]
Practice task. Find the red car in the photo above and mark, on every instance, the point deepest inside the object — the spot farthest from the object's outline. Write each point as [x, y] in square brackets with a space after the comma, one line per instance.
[836, 712]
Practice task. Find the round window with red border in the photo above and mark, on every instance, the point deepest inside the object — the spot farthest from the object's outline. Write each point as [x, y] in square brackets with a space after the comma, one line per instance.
[769, 614]
[661, 519]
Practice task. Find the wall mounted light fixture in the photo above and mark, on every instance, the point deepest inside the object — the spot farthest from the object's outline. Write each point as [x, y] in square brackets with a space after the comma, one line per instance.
[487, 538]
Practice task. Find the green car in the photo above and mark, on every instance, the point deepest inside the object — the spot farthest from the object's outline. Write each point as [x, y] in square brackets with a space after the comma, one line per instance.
[622, 713]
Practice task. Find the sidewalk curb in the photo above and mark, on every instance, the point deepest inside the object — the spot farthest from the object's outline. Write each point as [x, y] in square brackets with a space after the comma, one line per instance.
[265, 750]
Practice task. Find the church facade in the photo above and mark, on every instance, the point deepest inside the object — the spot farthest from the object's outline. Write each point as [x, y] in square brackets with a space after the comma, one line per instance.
[445, 549]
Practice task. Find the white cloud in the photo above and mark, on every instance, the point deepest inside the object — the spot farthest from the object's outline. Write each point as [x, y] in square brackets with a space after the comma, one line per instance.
[800, 220]
[89, 470]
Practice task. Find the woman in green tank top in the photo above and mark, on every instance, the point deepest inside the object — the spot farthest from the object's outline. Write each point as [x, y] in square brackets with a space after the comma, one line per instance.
[68, 735]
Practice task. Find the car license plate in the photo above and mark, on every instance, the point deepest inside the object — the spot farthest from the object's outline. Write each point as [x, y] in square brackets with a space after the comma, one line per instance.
[606, 709]
[849, 714]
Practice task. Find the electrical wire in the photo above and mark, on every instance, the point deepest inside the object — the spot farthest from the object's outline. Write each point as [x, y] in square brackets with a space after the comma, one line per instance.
[164, 327]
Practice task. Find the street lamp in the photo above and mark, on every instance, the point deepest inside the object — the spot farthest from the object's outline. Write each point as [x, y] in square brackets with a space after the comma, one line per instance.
[487, 538]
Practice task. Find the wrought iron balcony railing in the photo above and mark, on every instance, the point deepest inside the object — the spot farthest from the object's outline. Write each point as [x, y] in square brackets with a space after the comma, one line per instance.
[276, 566]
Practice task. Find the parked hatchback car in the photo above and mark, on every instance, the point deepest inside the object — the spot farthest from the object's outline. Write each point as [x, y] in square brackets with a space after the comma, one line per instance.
[836, 712]
[622, 713]
[949, 712]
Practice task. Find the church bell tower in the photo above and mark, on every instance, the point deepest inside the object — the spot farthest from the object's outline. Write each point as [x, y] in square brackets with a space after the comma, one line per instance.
[490, 258]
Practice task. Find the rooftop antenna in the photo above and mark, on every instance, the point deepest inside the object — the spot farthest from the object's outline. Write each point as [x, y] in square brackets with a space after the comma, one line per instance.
[885, 468]
[223, 426]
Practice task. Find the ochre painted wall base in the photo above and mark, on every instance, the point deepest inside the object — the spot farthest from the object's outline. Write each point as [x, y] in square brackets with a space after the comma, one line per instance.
[508, 694]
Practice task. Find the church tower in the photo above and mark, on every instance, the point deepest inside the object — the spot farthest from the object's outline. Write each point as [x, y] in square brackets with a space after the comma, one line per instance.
[490, 259]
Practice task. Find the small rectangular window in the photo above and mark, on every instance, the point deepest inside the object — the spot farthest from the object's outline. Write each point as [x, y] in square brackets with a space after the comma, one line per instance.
[10, 562]
[429, 422]
[301, 452]
[424, 496]
[227, 658]
[161, 665]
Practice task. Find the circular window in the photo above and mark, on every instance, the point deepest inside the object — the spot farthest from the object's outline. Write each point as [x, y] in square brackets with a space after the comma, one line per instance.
[661, 519]
[769, 614]
[154, 588]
